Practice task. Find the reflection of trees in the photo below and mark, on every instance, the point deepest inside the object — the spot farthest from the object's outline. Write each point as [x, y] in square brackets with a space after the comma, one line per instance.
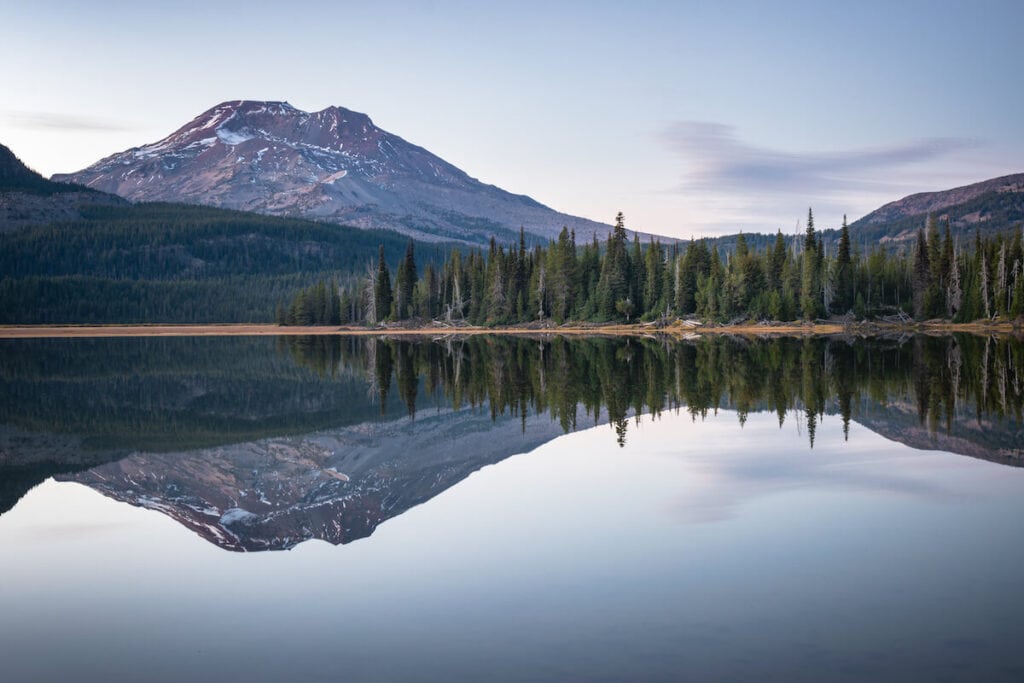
[627, 377]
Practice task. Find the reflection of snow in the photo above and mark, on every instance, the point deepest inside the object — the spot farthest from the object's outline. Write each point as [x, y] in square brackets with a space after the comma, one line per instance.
[235, 515]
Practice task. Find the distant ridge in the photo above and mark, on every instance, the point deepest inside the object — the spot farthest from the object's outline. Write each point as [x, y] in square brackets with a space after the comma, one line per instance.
[27, 198]
[989, 206]
[333, 165]
[15, 176]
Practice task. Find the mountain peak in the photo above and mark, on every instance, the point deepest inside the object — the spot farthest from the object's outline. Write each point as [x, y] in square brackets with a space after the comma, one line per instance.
[333, 165]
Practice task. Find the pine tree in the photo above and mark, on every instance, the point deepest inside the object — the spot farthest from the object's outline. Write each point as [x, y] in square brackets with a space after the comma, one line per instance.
[922, 276]
[614, 285]
[777, 262]
[382, 287]
[844, 271]
[809, 280]
[405, 283]
[652, 304]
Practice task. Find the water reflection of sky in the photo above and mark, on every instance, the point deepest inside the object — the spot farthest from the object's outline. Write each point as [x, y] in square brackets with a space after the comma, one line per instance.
[700, 550]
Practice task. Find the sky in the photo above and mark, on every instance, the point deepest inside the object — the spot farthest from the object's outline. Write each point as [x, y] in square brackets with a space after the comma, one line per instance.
[692, 118]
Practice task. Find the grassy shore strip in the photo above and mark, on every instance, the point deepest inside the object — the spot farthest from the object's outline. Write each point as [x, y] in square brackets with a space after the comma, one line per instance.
[867, 329]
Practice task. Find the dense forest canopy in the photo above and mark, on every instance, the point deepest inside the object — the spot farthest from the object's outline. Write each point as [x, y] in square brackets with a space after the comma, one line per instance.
[177, 263]
[620, 280]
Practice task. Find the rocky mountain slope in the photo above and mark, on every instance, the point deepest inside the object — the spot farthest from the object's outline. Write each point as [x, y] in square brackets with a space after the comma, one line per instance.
[333, 165]
[990, 206]
[27, 198]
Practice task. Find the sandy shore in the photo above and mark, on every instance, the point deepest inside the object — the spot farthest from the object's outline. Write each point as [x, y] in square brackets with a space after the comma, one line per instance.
[786, 329]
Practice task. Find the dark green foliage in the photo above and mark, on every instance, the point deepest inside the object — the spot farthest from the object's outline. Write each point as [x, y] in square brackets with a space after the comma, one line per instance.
[173, 263]
[405, 283]
[614, 283]
[174, 241]
[382, 296]
[15, 176]
[922, 276]
[810, 280]
[76, 299]
[844, 295]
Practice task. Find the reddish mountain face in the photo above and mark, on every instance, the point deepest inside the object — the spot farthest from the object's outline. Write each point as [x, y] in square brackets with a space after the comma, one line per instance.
[332, 165]
[926, 203]
[991, 206]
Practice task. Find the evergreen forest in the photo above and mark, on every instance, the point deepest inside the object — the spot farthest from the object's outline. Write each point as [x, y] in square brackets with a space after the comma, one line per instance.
[625, 280]
[174, 263]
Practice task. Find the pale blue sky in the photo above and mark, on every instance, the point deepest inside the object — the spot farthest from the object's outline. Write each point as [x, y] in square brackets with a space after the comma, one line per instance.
[691, 117]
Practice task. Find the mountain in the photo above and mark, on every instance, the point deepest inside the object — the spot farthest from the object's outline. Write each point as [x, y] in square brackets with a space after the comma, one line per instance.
[333, 165]
[991, 206]
[27, 198]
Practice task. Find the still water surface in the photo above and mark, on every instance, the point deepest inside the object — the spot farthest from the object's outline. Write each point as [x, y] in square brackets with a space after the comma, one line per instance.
[503, 509]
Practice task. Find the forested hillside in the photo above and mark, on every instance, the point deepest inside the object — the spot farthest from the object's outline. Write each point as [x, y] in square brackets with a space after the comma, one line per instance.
[27, 198]
[175, 263]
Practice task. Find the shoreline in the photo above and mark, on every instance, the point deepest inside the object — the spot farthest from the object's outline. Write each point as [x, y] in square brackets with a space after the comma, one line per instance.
[866, 329]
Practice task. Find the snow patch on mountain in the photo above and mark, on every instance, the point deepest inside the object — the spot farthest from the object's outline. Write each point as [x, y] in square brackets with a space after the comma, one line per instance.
[232, 137]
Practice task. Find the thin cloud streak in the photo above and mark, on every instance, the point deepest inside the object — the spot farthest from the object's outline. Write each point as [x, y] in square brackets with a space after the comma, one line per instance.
[764, 186]
[40, 120]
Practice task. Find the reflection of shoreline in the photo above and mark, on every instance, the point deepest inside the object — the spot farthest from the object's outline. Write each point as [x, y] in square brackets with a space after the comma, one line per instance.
[866, 329]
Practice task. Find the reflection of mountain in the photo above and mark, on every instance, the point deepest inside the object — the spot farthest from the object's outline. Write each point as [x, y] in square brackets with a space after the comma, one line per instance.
[27, 458]
[983, 438]
[250, 441]
[336, 485]
[70, 404]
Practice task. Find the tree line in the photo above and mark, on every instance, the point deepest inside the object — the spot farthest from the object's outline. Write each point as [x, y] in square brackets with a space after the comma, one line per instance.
[625, 281]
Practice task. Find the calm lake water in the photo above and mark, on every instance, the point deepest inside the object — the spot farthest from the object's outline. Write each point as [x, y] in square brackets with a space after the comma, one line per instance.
[506, 509]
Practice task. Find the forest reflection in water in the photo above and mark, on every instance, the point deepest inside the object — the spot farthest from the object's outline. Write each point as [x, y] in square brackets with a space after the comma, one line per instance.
[172, 394]
[966, 386]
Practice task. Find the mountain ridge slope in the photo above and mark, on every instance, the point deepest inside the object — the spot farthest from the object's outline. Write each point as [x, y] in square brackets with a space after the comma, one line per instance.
[333, 165]
[989, 206]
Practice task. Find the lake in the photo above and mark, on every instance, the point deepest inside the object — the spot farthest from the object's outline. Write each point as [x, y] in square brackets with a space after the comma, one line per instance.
[512, 509]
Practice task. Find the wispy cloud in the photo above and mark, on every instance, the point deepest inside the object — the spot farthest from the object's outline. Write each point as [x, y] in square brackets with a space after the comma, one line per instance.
[41, 120]
[759, 186]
